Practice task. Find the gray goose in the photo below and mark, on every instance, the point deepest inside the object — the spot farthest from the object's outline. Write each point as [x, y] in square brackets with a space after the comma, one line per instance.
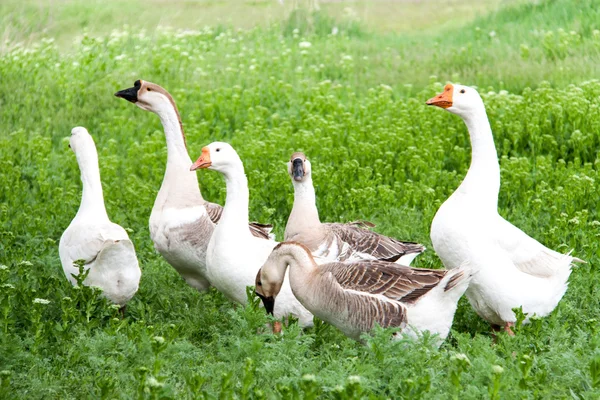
[181, 222]
[354, 296]
[337, 241]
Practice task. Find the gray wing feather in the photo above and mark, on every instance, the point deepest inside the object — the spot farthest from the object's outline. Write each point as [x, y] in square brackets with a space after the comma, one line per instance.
[393, 281]
[362, 240]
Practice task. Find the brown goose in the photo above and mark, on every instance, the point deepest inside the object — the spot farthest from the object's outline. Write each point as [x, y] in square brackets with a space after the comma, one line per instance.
[336, 241]
[355, 296]
[181, 222]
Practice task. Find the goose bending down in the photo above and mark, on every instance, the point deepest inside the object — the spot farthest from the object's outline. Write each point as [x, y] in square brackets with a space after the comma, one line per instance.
[181, 222]
[104, 246]
[335, 241]
[354, 296]
[234, 256]
[514, 270]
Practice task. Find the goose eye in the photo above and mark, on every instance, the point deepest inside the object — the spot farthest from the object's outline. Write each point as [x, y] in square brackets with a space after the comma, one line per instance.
[462, 90]
[217, 150]
[148, 89]
[259, 283]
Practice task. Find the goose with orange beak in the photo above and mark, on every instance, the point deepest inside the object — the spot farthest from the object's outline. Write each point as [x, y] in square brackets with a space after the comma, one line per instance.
[512, 269]
[234, 256]
[181, 222]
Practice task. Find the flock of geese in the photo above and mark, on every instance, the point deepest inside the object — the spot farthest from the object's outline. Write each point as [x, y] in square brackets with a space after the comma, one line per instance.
[343, 273]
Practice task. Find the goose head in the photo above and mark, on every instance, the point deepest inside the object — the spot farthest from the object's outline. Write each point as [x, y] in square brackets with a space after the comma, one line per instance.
[147, 96]
[458, 99]
[268, 284]
[299, 167]
[218, 156]
[80, 141]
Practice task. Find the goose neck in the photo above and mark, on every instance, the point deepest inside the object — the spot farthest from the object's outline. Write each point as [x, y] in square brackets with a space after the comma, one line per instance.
[235, 211]
[305, 205]
[92, 198]
[176, 146]
[483, 177]
[301, 263]
[177, 174]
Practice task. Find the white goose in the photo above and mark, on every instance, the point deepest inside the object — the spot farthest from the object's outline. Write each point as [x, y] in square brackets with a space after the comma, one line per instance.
[354, 296]
[513, 269]
[234, 256]
[336, 241]
[181, 222]
[105, 247]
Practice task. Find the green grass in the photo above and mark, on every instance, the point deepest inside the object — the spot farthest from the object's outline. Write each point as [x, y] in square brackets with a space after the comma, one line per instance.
[372, 142]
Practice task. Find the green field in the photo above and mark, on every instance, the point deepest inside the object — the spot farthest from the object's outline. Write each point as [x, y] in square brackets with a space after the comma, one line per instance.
[354, 103]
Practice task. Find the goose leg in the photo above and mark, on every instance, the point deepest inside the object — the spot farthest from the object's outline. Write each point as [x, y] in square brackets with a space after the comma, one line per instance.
[507, 328]
[276, 327]
[122, 311]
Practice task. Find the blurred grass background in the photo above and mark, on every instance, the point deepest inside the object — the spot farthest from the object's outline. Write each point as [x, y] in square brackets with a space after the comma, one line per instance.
[510, 44]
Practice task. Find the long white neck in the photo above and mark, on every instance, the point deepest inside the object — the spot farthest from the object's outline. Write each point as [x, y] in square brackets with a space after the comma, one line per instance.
[304, 211]
[92, 199]
[235, 211]
[178, 177]
[483, 177]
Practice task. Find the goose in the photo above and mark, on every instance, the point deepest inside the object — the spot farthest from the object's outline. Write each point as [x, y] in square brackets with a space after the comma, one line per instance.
[514, 270]
[105, 247]
[234, 256]
[354, 296]
[181, 222]
[336, 241]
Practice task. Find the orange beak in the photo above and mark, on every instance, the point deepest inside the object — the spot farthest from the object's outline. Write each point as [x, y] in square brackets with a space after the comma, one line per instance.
[203, 161]
[444, 99]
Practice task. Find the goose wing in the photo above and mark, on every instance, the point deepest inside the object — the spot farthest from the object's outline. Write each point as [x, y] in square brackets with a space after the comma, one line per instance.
[362, 243]
[80, 242]
[396, 282]
[258, 230]
[529, 255]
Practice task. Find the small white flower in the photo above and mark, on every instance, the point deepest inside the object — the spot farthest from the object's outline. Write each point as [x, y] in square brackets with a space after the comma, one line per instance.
[334, 31]
[309, 378]
[41, 301]
[492, 34]
[461, 357]
[3, 267]
[26, 263]
[120, 57]
[386, 87]
[496, 369]
[7, 286]
[159, 339]
[152, 382]
[304, 45]
[354, 379]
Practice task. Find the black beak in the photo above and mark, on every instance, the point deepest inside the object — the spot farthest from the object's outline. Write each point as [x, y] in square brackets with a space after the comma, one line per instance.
[130, 94]
[298, 169]
[269, 303]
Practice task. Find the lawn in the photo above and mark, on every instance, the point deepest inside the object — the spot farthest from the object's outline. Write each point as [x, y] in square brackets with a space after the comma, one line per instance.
[352, 98]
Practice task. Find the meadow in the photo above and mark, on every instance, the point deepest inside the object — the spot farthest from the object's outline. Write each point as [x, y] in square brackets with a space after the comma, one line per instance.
[345, 89]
